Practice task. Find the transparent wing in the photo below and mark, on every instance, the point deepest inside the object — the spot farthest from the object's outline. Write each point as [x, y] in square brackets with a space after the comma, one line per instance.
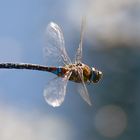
[78, 57]
[84, 93]
[54, 49]
[82, 89]
[55, 91]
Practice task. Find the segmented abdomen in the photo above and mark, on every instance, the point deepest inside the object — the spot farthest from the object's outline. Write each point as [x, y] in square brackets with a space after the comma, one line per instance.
[60, 71]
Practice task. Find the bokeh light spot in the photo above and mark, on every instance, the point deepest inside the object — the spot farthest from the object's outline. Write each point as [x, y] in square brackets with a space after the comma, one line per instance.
[111, 121]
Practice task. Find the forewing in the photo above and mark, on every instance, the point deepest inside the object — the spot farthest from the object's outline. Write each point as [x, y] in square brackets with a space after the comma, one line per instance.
[82, 88]
[54, 49]
[78, 57]
[55, 91]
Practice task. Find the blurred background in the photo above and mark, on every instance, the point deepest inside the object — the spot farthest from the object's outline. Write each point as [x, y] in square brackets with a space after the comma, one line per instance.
[111, 44]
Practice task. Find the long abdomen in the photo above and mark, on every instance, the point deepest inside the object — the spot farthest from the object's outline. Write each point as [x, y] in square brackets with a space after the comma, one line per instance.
[58, 71]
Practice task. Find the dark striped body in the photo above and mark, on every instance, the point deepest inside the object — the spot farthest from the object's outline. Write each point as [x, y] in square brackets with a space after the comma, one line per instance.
[58, 71]
[85, 74]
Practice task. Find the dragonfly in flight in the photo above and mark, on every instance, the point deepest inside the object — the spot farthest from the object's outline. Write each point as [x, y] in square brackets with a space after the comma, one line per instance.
[55, 91]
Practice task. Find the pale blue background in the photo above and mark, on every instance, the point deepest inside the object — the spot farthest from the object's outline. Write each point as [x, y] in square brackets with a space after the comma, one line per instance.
[111, 44]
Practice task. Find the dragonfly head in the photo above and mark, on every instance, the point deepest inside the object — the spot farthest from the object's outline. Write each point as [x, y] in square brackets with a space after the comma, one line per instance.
[96, 75]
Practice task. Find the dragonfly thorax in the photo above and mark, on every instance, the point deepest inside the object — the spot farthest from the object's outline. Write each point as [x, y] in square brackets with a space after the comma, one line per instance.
[80, 72]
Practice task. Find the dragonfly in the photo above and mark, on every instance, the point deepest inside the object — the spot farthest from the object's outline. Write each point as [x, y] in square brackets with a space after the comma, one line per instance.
[76, 71]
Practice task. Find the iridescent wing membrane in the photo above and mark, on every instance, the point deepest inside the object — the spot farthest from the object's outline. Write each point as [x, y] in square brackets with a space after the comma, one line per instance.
[78, 56]
[82, 88]
[78, 59]
[55, 91]
[54, 49]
